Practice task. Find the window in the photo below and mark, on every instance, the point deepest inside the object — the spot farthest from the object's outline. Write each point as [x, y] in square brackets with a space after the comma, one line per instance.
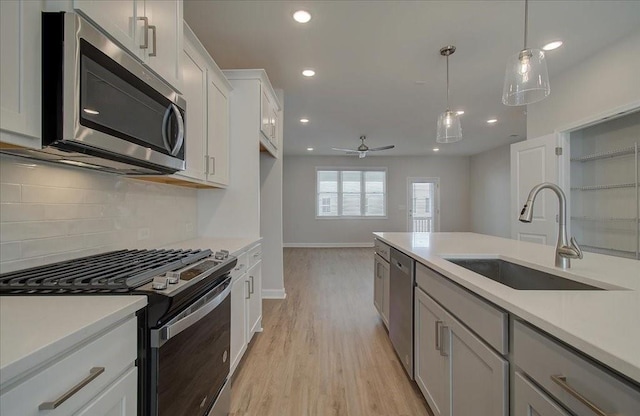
[351, 193]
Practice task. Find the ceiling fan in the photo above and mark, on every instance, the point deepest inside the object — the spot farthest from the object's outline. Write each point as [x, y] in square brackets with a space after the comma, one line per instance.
[363, 149]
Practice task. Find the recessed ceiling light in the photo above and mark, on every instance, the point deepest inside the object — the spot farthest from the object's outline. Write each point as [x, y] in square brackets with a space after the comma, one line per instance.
[302, 16]
[90, 111]
[304, 120]
[460, 112]
[308, 72]
[552, 45]
[492, 120]
[310, 149]
[435, 149]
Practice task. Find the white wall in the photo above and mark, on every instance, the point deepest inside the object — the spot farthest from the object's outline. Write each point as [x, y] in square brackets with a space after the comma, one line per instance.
[300, 223]
[607, 80]
[51, 213]
[490, 192]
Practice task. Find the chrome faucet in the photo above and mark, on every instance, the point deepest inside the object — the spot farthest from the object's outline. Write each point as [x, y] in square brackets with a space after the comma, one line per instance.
[564, 251]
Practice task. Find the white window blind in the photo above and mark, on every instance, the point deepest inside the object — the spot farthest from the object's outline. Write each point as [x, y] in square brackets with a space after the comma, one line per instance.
[351, 193]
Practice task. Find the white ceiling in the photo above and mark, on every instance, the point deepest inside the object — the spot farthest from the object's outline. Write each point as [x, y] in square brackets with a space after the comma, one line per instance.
[379, 71]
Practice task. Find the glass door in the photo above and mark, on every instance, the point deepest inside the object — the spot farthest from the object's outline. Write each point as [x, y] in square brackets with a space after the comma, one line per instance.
[423, 207]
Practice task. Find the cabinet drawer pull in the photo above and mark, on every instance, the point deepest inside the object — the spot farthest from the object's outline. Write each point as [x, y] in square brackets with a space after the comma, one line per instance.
[93, 374]
[562, 382]
[251, 286]
[248, 296]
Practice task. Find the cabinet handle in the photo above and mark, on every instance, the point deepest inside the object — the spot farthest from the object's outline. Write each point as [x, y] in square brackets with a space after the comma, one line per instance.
[93, 374]
[206, 164]
[256, 255]
[153, 32]
[251, 286]
[443, 351]
[438, 324]
[145, 45]
[248, 296]
[213, 165]
[562, 382]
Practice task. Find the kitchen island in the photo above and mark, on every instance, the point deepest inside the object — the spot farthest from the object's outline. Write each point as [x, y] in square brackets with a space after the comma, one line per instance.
[601, 326]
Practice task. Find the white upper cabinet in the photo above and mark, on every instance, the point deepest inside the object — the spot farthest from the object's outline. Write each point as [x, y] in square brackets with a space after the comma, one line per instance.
[165, 29]
[269, 119]
[206, 91]
[218, 127]
[149, 29]
[20, 46]
[195, 93]
[122, 19]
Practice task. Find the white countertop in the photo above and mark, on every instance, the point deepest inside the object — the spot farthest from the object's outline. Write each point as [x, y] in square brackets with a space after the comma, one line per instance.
[234, 245]
[603, 324]
[36, 329]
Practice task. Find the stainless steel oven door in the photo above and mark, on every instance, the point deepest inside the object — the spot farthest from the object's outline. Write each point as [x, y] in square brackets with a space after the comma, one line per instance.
[190, 356]
[113, 103]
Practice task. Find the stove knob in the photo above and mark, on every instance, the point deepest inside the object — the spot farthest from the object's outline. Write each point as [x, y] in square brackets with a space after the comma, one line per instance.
[155, 285]
[172, 277]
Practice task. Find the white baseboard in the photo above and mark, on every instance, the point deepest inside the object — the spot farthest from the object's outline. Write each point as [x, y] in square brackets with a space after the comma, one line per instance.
[273, 294]
[328, 245]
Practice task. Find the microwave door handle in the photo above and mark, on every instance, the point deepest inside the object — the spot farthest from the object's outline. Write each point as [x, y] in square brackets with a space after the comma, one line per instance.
[165, 127]
[162, 335]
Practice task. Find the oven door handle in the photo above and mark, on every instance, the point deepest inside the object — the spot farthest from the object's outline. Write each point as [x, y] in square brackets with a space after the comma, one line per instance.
[164, 334]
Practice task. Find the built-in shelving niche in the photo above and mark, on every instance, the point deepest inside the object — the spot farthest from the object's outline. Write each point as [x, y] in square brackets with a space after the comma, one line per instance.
[604, 187]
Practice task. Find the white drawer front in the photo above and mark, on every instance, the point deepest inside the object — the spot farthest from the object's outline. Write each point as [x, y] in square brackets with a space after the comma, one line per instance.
[382, 249]
[114, 351]
[483, 318]
[241, 267]
[543, 358]
[254, 255]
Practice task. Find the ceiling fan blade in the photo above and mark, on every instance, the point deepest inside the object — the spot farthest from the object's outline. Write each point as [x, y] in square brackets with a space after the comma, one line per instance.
[343, 150]
[353, 153]
[375, 149]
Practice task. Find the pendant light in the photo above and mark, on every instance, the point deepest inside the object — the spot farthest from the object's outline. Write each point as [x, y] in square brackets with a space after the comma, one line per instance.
[449, 128]
[526, 80]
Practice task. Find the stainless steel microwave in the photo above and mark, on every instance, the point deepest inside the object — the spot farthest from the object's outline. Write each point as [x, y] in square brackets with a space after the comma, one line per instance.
[101, 107]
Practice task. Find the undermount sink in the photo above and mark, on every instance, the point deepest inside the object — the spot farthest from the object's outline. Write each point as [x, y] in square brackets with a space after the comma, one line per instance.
[519, 277]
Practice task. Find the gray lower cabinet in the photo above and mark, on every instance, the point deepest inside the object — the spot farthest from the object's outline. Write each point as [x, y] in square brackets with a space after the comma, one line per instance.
[381, 287]
[530, 400]
[583, 387]
[458, 373]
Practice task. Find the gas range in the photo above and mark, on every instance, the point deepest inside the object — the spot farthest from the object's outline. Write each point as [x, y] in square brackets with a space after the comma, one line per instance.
[184, 335]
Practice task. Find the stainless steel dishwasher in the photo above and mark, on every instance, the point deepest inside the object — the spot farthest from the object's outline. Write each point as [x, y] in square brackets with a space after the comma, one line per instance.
[401, 307]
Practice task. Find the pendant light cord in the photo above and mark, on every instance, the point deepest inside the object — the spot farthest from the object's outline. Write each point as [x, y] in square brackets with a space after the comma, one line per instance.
[447, 82]
[526, 20]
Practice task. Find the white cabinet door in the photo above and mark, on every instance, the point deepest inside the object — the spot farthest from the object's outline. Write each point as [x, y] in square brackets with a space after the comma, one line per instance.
[239, 298]
[218, 131]
[20, 73]
[479, 376]
[164, 53]
[119, 18]
[119, 399]
[195, 93]
[529, 400]
[534, 161]
[254, 305]
[431, 367]
[266, 113]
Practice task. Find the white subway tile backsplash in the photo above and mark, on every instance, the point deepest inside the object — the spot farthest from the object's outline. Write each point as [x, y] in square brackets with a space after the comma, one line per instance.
[9, 192]
[9, 251]
[50, 213]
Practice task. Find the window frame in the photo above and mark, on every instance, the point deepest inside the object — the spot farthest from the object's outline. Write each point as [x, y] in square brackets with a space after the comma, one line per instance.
[363, 193]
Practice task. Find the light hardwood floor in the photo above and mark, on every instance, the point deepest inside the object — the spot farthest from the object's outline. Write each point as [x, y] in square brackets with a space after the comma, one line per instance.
[324, 350]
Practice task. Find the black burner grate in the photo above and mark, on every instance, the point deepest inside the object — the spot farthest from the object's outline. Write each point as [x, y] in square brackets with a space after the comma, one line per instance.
[116, 271]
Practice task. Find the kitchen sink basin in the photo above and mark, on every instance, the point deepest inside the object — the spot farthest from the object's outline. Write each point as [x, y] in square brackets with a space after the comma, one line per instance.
[519, 277]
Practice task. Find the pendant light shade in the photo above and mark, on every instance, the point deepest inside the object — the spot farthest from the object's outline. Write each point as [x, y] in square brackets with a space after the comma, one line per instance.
[449, 128]
[526, 79]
